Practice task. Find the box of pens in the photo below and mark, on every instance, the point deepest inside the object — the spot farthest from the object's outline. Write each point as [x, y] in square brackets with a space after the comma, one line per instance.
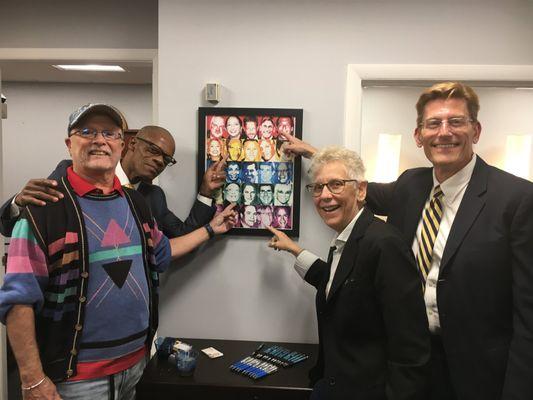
[266, 361]
[178, 353]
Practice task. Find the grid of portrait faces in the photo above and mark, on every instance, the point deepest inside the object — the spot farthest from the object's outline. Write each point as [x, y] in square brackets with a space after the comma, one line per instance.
[259, 174]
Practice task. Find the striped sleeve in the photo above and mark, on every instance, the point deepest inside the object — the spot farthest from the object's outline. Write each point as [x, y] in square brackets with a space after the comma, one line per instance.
[26, 272]
[161, 245]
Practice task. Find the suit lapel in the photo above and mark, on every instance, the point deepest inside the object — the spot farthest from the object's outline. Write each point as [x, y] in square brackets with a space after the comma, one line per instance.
[321, 293]
[469, 209]
[349, 253]
[142, 188]
[419, 193]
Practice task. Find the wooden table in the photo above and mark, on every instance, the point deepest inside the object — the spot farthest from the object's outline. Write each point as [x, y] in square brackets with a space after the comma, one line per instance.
[213, 379]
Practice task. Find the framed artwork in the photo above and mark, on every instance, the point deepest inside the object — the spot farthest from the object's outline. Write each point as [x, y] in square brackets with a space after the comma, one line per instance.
[260, 177]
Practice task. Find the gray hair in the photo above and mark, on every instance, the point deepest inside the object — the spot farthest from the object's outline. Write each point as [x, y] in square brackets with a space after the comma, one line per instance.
[351, 160]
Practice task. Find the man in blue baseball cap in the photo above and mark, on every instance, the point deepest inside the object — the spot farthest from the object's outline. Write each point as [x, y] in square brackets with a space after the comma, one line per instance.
[80, 294]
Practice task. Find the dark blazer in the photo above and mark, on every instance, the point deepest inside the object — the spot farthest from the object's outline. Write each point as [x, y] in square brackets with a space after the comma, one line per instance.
[167, 221]
[485, 285]
[373, 335]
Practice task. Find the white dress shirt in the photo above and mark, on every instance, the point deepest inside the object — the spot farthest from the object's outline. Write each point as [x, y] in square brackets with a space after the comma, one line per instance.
[123, 178]
[14, 210]
[305, 259]
[453, 189]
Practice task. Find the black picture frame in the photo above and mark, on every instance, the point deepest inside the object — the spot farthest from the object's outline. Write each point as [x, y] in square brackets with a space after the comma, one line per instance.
[258, 172]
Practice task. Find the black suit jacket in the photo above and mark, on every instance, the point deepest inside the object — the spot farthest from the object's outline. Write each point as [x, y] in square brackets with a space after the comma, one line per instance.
[485, 285]
[373, 335]
[167, 221]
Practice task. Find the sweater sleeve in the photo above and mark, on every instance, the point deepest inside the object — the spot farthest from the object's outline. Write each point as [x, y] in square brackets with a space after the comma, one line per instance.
[26, 272]
[162, 253]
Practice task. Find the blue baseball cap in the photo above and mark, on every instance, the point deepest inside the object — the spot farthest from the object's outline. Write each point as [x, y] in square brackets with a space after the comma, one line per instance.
[97, 108]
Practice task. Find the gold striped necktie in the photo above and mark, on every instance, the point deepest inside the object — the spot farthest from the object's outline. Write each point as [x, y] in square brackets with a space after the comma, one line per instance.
[430, 228]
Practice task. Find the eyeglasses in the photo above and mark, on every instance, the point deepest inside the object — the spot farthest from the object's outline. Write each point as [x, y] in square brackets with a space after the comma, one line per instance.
[454, 123]
[156, 151]
[88, 133]
[335, 186]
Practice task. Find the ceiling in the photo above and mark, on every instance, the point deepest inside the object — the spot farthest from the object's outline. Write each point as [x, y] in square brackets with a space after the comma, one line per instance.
[137, 72]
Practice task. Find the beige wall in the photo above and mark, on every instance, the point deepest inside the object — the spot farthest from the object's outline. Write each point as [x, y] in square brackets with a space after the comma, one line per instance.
[127, 24]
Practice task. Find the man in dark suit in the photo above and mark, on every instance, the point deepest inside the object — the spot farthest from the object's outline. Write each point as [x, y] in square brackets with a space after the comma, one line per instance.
[149, 153]
[474, 249]
[479, 286]
[373, 337]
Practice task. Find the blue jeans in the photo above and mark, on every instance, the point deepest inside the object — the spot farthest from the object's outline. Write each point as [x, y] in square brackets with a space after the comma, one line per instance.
[99, 389]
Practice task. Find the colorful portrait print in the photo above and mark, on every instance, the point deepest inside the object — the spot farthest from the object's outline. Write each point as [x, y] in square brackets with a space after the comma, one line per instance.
[233, 172]
[266, 128]
[284, 172]
[285, 125]
[282, 217]
[248, 217]
[259, 176]
[251, 150]
[215, 149]
[268, 149]
[249, 173]
[234, 127]
[249, 194]
[266, 195]
[265, 216]
[216, 127]
[266, 172]
[235, 150]
[250, 128]
[282, 195]
[232, 193]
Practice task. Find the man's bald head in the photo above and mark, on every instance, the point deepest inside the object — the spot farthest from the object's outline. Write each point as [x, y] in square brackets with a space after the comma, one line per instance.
[148, 153]
[158, 134]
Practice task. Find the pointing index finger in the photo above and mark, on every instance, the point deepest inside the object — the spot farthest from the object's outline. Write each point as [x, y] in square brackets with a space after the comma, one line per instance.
[273, 230]
[289, 137]
[221, 164]
[229, 209]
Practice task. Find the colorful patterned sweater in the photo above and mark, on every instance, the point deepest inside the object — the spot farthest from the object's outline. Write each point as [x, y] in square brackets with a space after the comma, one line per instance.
[51, 258]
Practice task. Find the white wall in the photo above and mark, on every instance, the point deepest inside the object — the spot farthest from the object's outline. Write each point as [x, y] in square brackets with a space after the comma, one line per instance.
[37, 121]
[293, 54]
[79, 24]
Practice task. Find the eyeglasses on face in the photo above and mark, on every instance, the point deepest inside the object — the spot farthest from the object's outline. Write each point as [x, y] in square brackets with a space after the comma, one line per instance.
[155, 150]
[88, 133]
[335, 186]
[454, 123]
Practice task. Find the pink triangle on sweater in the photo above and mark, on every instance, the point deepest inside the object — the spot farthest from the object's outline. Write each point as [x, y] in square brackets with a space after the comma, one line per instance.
[114, 235]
